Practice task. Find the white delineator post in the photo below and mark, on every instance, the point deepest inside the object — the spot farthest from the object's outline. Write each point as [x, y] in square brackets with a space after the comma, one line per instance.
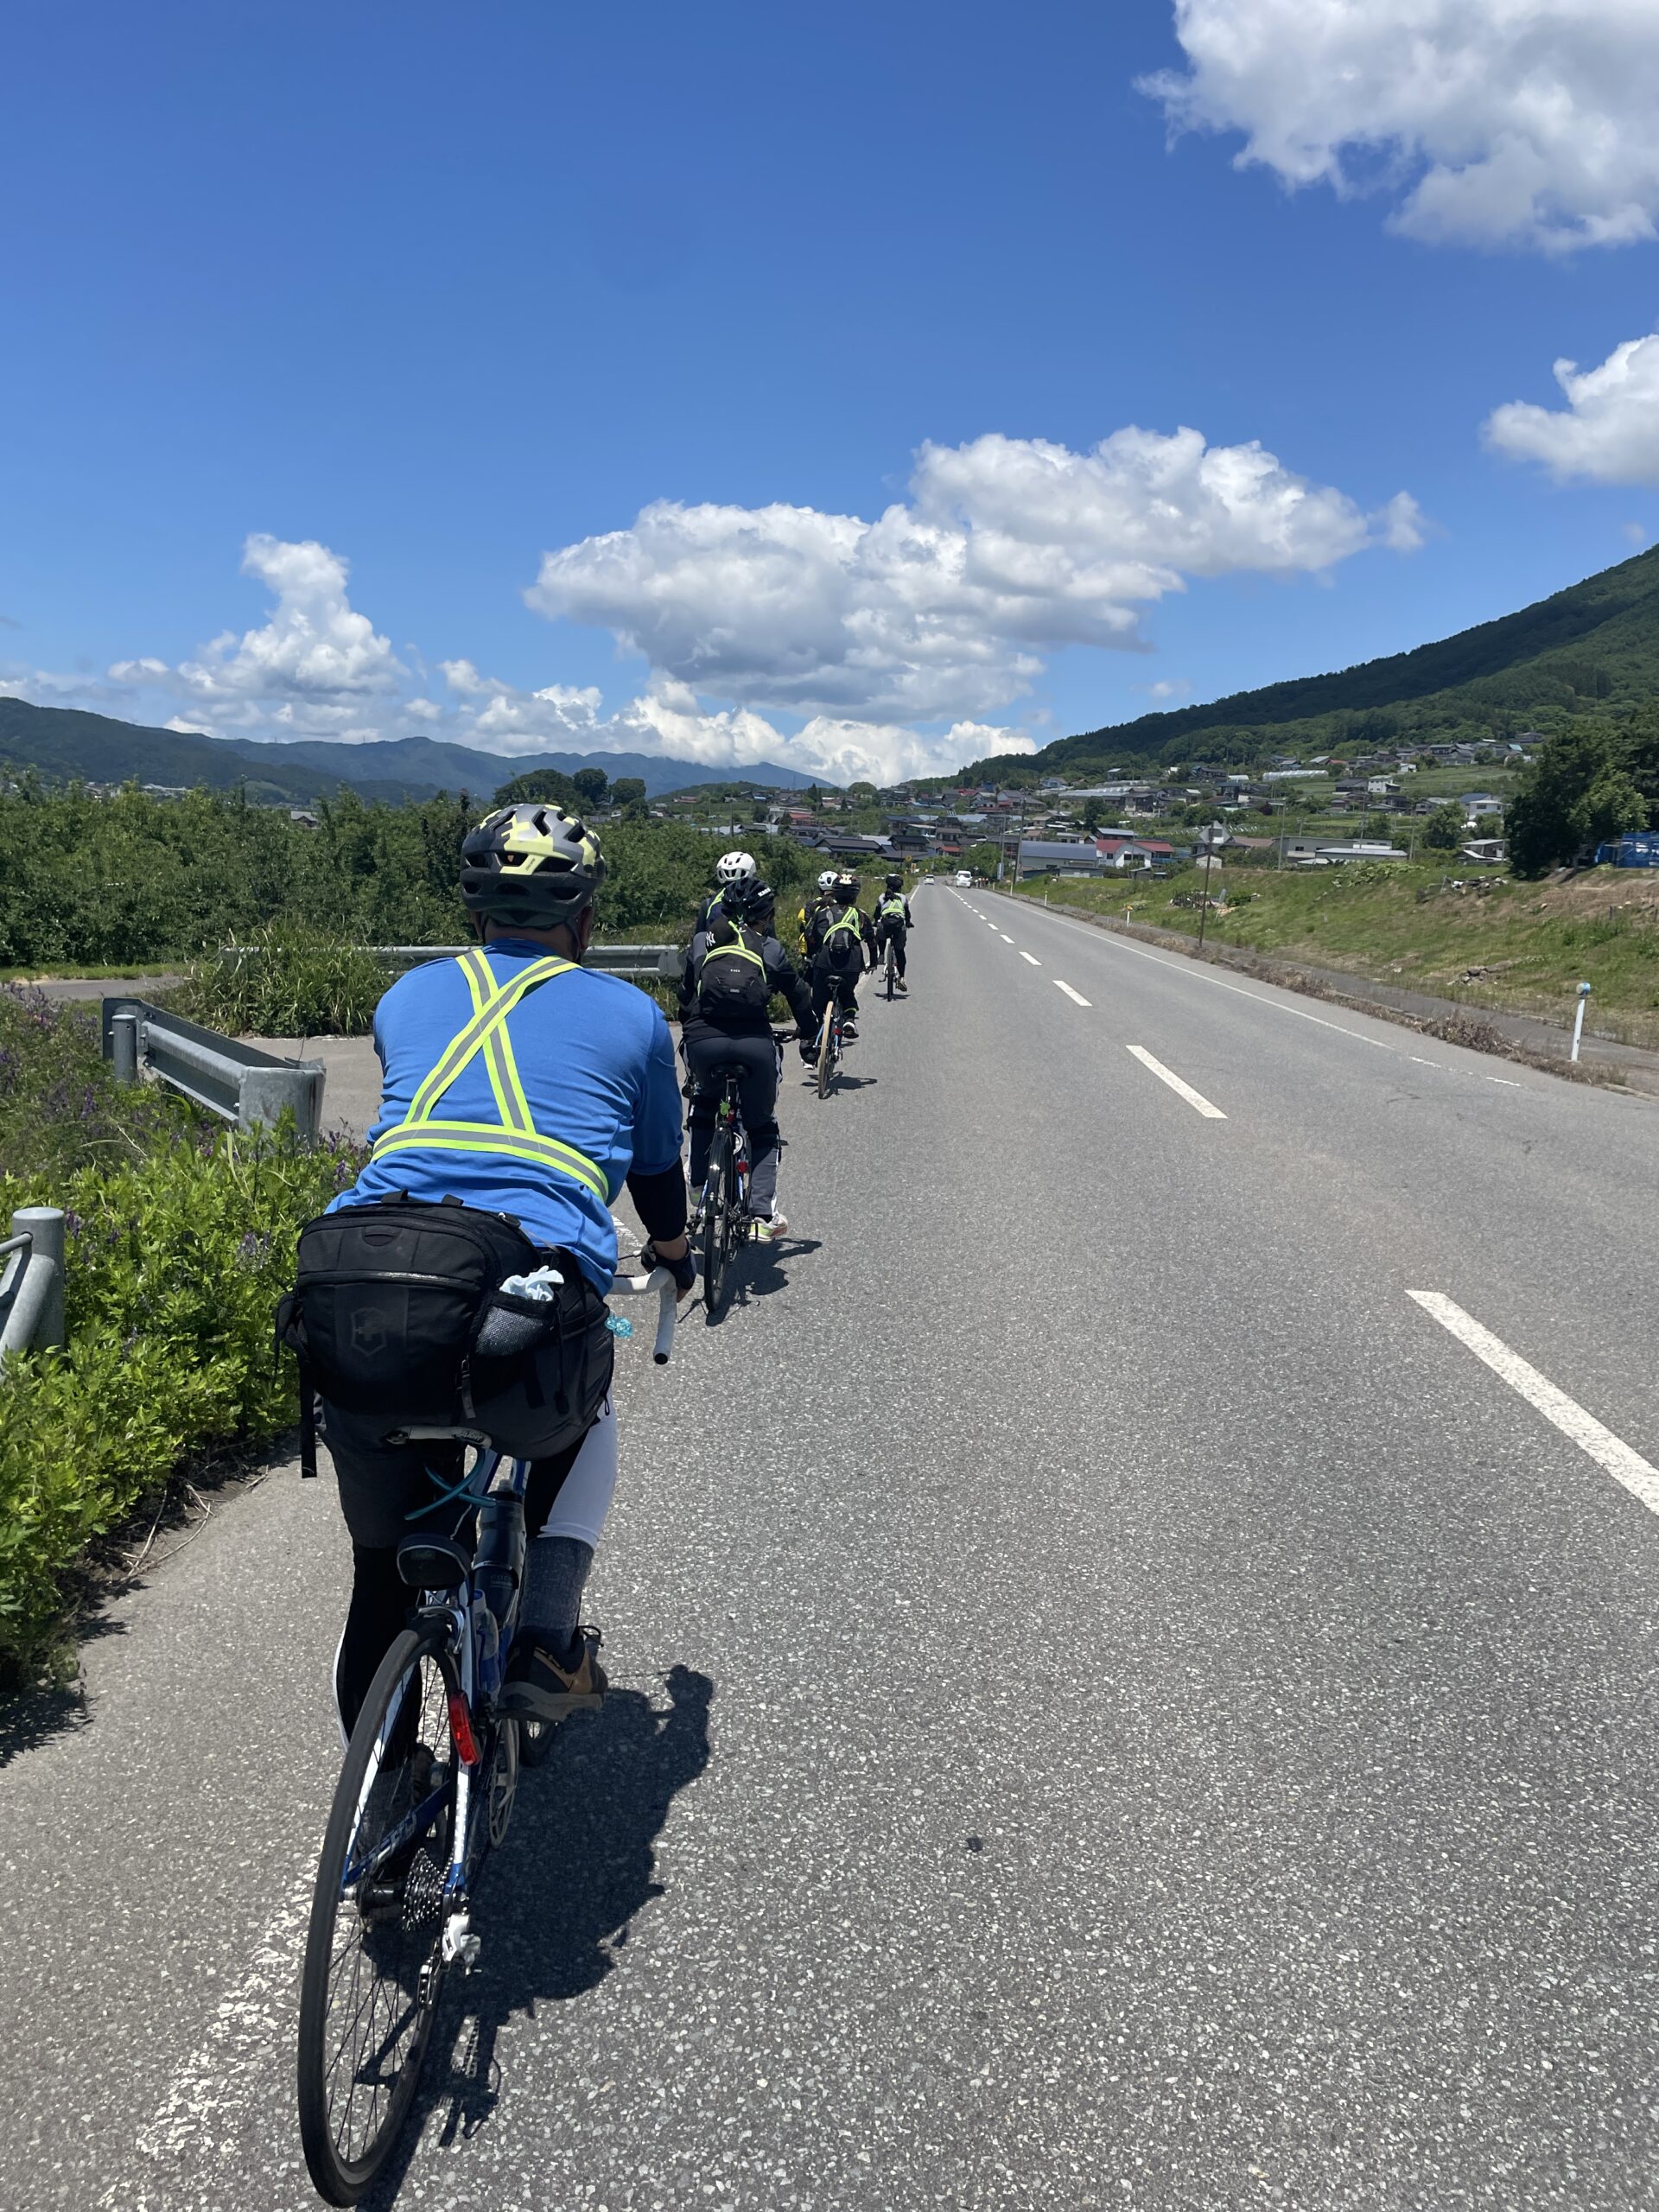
[1578, 1021]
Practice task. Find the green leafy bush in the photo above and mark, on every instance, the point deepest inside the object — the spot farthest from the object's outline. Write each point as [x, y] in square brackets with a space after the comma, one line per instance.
[59, 1110]
[175, 1262]
[181, 1239]
[286, 980]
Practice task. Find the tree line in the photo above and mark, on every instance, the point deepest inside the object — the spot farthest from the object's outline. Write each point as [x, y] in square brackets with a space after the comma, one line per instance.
[129, 880]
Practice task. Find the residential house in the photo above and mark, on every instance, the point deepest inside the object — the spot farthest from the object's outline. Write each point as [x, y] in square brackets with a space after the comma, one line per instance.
[1059, 857]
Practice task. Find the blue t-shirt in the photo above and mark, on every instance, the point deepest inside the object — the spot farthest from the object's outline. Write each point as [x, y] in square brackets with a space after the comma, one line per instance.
[596, 1062]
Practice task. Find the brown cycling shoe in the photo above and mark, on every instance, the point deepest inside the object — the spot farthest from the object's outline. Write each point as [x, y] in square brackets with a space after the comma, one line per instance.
[538, 1687]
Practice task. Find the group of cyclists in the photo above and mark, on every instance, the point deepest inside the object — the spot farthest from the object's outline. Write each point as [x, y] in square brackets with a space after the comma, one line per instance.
[455, 1296]
[736, 963]
[526, 1091]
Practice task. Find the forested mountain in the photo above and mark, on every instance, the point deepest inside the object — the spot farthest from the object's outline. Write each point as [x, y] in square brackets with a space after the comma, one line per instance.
[1592, 649]
[62, 743]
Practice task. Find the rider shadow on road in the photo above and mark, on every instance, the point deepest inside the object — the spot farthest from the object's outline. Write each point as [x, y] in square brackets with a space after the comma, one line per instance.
[757, 1273]
[556, 1901]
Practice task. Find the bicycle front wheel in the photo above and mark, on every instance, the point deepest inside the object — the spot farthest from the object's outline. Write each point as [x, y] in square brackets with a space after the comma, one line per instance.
[370, 1988]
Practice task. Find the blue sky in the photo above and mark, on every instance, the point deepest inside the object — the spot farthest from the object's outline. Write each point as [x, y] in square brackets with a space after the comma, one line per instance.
[438, 294]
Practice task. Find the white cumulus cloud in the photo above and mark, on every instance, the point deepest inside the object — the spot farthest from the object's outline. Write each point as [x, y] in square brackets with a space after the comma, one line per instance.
[1488, 122]
[1607, 433]
[940, 606]
[313, 668]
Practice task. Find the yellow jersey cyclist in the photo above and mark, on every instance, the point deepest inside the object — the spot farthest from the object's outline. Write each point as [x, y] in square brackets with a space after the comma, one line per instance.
[893, 924]
[523, 1088]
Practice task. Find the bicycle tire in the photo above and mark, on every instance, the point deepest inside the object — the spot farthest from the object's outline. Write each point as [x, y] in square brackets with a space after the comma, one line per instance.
[714, 1227]
[891, 970]
[418, 1665]
[826, 1052]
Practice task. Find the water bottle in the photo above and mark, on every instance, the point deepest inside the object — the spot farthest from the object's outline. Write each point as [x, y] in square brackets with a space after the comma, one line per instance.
[499, 1563]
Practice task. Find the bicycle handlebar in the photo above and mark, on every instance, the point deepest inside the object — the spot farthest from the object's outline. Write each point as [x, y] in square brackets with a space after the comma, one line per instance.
[662, 1282]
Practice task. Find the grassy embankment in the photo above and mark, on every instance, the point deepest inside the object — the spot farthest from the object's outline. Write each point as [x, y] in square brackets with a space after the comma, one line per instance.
[1516, 947]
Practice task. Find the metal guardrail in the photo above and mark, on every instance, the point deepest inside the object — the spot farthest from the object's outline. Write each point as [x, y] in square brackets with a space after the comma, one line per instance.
[237, 1082]
[655, 962]
[31, 1282]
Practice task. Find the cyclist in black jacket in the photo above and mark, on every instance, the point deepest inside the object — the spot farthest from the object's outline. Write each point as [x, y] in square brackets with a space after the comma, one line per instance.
[893, 924]
[732, 967]
[839, 946]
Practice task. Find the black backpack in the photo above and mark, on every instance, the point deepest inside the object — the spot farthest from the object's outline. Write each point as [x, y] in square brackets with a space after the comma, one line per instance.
[397, 1312]
[841, 941]
[732, 981]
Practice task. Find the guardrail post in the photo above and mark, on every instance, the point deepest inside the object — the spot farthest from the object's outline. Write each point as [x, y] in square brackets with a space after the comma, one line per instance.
[44, 1228]
[124, 1047]
[264, 1094]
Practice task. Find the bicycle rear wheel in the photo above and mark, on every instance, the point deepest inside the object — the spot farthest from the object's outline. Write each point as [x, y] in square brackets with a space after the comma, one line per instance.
[827, 1042]
[369, 1989]
[893, 971]
[715, 1216]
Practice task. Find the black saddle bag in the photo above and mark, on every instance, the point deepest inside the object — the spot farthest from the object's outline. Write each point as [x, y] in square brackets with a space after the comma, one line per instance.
[388, 1308]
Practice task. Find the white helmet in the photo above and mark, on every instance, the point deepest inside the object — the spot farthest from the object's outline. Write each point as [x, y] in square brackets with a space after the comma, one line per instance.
[736, 870]
[827, 880]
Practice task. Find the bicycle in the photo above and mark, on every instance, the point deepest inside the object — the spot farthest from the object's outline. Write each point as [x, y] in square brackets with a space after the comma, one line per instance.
[829, 1046]
[425, 1794]
[891, 966]
[722, 1222]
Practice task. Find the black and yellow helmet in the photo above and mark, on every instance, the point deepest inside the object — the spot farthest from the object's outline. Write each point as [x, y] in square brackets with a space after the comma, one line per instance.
[535, 865]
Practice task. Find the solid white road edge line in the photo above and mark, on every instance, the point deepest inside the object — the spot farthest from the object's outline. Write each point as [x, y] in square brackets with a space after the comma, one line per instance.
[1194, 1098]
[1608, 1452]
[1035, 963]
[1197, 975]
[1069, 992]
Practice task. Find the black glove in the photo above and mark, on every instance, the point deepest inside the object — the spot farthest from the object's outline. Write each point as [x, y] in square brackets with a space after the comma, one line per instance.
[684, 1271]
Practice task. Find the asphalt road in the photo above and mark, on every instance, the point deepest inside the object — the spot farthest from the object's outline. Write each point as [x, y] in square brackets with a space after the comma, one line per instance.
[1118, 1704]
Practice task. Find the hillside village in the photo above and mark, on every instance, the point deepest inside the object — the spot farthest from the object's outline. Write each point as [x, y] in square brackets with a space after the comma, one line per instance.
[1295, 810]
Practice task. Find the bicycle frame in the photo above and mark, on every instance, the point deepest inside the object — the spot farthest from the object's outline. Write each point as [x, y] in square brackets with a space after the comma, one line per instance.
[478, 1672]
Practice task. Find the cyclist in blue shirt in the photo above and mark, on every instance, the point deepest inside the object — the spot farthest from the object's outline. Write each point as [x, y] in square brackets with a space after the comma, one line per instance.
[573, 1092]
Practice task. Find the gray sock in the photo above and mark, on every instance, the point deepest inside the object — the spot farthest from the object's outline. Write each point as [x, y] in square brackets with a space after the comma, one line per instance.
[556, 1570]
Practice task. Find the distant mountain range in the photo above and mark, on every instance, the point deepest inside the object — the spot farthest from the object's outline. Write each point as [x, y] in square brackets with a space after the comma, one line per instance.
[62, 744]
[1592, 649]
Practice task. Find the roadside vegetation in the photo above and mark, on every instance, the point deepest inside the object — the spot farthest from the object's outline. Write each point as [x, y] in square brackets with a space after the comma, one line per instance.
[180, 1240]
[1494, 942]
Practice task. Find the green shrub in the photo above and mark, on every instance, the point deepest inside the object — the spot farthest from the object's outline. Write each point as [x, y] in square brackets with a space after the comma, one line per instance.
[59, 1108]
[286, 980]
[175, 1262]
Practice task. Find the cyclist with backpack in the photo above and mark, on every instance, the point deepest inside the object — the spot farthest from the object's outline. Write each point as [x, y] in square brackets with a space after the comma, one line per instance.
[824, 894]
[893, 924]
[732, 966]
[840, 946]
[734, 872]
[521, 1091]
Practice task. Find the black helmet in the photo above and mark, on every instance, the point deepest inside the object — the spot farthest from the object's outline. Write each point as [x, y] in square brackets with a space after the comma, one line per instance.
[534, 865]
[762, 902]
[895, 883]
[847, 886]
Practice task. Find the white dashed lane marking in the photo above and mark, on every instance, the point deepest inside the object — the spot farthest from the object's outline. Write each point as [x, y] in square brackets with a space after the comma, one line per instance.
[1069, 992]
[1196, 1099]
[1611, 1453]
[1035, 963]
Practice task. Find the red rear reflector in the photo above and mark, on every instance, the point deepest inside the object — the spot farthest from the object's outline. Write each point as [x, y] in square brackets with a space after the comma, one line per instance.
[460, 1727]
